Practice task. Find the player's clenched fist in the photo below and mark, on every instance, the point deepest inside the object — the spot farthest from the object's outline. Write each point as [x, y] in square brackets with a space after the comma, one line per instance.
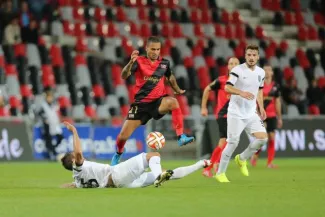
[69, 126]
[247, 95]
[134, 56]
[204, 112]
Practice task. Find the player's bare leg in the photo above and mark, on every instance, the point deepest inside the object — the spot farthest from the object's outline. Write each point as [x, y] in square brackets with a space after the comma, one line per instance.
[170, 104]
[127, 129]
[215, 158]
[253, 147]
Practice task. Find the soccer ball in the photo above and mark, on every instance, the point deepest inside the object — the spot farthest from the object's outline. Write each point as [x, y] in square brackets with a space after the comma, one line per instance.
[155, 140]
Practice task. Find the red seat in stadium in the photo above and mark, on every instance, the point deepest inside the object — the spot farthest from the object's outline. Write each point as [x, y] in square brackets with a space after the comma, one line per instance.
[109, 2]
[302, 33]
[116, 74]
[112, 30]
[177, 31]
[162, 3]
[206, 17]
[127, 45]
[98, 90]
[101, 29]
[10, 69]
[312, 33]
[269, 52]
[319, 19]
[193, 3]
[64, 2]
[200, 42]
[90, 111]
[259, 32]
[163, 15]
[120, 14]
[80, 29]
[165, 51]
[240, 32]
[239, 52]
[2, 61]
[210, 61]
[56, 55]
[133, 28]
[198, 30]
[203, 75]
[48, 78]
[172, 3]
[195, 15]
[229, 34]
[219, 30]
[143, 14]
[225, 17]
[321, 82]
[130, 3]
[81, 44]
[188, 62]
[68, 28]
[145, 30]
[64, 102]
[20, 50]
[288, 73]
[275, 5]
[100, 14]
[289, 18]
[197, 51]
[80, 60]
[314, 110]
[299, 18]
[77, 3]
[295, 5]
[203, 5]
[78, 13]
[284, 46]
[25, 90]
[165, 30]
[236, 18]
[14, 102]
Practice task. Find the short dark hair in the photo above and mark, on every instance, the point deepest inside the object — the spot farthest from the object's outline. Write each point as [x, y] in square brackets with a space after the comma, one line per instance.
[153, 39]
[67, 161]
[252, 47]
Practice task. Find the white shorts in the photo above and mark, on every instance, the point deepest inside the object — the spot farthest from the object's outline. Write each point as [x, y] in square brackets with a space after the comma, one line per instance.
[126, 172]
[235, 126]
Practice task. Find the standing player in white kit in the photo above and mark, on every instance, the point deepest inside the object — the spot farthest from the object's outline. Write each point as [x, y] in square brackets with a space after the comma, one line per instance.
[245, 83]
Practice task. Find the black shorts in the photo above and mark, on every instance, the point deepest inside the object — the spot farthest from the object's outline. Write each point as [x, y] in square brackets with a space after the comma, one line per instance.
[144, 111]
[222, 123]
[270, 124]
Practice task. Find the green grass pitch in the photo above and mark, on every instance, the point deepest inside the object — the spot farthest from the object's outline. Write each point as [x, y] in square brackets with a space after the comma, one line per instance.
[296, 189]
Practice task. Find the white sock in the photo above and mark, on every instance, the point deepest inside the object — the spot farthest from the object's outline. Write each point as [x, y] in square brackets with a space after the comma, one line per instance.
[181, 172]
[252, 148]
[226, 155]
[154, 165]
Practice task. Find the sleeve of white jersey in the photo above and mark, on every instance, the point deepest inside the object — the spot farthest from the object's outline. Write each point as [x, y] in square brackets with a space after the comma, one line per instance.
[233, 76]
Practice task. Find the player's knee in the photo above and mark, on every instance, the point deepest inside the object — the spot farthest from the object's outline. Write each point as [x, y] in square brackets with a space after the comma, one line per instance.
[259, 142]
[233, 140]
[152, 154]
[172, 103]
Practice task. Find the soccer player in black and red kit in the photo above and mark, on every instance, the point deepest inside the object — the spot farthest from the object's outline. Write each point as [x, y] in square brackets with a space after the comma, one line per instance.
[151, 99]
[272, 105]
[221, 113]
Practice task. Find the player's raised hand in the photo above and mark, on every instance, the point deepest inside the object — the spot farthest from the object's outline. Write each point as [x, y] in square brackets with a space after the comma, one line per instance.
[69, 126]
[180, 92]
[204, 112]
[134, 56]
[247, 95]
[263, 114]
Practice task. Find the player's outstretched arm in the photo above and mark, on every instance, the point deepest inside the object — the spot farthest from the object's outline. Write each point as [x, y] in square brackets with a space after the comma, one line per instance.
[69, 185]
[79, 159]
[126, 71]
[173, 83]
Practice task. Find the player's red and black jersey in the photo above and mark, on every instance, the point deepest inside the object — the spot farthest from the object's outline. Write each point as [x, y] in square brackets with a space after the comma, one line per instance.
[270, 93]
[223, 97]
[149, 78]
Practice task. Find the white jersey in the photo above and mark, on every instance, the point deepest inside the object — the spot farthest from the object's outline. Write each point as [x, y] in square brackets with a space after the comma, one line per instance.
[244, 79]
[91, 175]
